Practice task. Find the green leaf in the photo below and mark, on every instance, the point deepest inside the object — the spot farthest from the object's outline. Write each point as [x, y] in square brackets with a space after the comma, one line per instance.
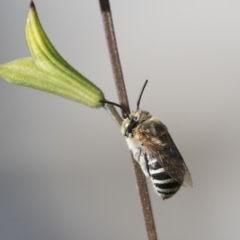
[47, 70]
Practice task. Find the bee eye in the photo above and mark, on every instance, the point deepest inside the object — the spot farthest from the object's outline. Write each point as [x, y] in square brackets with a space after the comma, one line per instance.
[135, 118]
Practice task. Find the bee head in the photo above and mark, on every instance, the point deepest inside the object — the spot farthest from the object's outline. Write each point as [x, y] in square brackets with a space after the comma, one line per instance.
[135, 118]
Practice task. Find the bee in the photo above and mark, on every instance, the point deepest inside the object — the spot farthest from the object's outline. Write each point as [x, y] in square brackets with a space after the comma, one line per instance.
[153, 148]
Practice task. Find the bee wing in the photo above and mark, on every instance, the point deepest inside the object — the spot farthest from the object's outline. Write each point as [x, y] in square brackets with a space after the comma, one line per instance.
[158, 144]
[171, 160]
[173, 163]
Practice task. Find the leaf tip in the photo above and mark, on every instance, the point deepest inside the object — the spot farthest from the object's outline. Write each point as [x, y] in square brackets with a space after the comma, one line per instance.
[32, 5]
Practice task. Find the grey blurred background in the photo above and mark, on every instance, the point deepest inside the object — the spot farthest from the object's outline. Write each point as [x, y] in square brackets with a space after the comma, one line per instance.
[65, 171]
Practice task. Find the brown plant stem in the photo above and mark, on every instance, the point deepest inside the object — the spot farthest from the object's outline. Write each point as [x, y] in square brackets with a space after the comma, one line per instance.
[123, 100]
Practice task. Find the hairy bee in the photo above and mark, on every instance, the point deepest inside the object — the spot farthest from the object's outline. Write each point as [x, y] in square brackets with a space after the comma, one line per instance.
[155, 151]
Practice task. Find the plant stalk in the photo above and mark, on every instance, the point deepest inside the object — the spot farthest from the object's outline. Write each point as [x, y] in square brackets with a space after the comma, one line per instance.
[113, 112]
[123, 100]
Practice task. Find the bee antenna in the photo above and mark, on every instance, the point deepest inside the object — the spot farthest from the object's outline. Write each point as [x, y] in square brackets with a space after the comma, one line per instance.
[140, 96]
[117, 105]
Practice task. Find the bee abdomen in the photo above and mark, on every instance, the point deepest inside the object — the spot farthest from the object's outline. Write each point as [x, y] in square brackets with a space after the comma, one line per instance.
[163, 184]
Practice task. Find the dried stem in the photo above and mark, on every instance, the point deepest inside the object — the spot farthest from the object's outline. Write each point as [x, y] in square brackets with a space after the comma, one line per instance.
[113, 112]
[113, 51]
[122, 95]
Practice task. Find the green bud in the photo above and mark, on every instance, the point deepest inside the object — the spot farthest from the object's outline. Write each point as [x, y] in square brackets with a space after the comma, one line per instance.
[47, 70]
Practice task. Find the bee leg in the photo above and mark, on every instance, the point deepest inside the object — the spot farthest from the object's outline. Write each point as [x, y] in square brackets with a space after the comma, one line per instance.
[141, 158]
[144, 164]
